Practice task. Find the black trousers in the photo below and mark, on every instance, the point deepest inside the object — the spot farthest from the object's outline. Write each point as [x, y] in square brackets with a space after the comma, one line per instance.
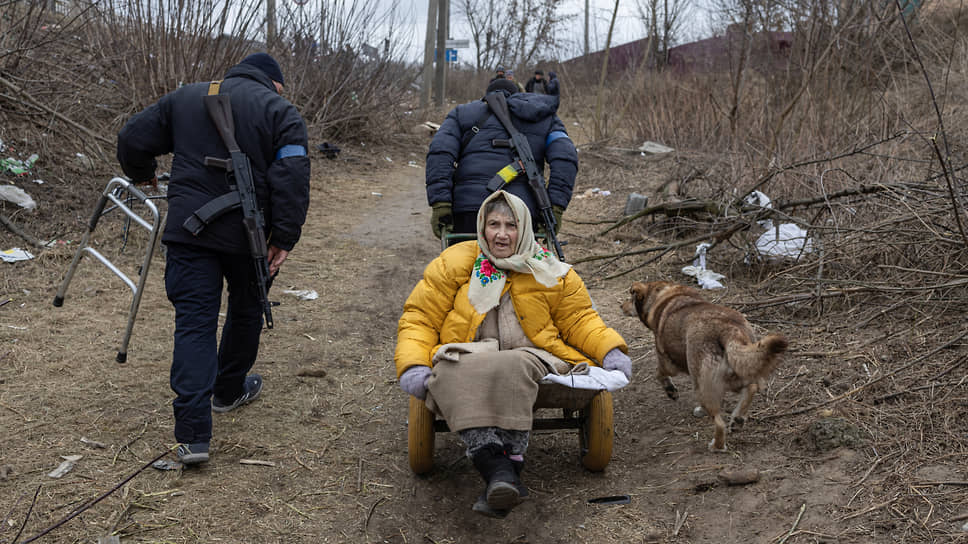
[202, 366]
[465, 223]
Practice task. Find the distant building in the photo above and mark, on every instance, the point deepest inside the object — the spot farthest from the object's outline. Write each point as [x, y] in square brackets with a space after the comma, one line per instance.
[716, 54]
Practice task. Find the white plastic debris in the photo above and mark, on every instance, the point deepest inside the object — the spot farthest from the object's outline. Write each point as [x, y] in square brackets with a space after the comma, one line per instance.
[302, 294]
[653, 148]
[66, 465]
[707, 278]
[18, 196]
[595, 191]
[783, 241]
[15, 254]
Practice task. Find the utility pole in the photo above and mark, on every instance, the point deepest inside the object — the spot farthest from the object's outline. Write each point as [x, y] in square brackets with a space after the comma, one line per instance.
[428, 67]
[440, 84]
[270, 24]
[586, 28]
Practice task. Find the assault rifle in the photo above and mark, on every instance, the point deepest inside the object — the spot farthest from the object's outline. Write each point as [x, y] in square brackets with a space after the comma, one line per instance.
[520, 146]
[219, 108]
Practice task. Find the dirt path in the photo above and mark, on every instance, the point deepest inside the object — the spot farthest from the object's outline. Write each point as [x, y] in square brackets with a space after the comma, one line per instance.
[332, 423]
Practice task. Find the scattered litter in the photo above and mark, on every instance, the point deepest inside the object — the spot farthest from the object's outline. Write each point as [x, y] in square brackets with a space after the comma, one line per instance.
[425, 128]
[965, 527]
[66, 465]
[707, 278]
[15, 327]
[312, 373]
[15, 254]
[167, 464]
[307, 335]
[303, 294]
[17, 166]
[614, 499]
[413, 164]
[18, 196]
[635, 203]
[256, 462]
[374, 193]
[329, 150]
[5, 471]
[84, 161]
[786, 240]
[39, 181]
[740, 476]
[653, 148]
[388, 159]
[92, 443]
[594, 192]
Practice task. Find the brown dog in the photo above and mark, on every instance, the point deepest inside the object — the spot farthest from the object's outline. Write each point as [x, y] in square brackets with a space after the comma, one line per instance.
[712, 343]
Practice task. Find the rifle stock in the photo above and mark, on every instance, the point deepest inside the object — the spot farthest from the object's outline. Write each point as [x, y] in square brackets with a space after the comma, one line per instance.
[219, 109]
[520, 146]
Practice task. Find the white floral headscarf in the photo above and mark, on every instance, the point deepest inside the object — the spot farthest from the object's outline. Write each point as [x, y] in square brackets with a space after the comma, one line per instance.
[489, 276]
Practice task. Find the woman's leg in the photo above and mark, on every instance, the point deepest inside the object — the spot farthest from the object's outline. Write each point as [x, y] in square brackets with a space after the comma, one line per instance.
[498, 455]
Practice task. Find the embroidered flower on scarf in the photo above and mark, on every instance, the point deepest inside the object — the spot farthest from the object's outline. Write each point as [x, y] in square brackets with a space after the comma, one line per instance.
[485, 271]
[542, 254]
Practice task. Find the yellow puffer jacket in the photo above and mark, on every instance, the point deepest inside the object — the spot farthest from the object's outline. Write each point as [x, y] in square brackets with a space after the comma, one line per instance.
[559, 320]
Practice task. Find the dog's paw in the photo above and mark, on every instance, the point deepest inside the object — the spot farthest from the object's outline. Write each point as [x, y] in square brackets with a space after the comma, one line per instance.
[672, 392]
[736, 424]
[699, 411]
[712, 447]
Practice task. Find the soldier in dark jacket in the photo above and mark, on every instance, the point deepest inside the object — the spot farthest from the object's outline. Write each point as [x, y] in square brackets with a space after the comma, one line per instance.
[551, 87]
[536, 84]
[208, 375]
[462, 160]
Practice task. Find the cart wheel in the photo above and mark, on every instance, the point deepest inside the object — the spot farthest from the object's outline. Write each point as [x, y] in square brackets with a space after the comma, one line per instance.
[597, 432]
[420, 437]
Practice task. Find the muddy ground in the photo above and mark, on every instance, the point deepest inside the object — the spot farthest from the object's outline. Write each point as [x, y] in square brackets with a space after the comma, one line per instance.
[331, 426]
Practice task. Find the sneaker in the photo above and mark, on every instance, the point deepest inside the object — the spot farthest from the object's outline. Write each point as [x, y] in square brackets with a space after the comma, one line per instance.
[192, 454]
[253, 387]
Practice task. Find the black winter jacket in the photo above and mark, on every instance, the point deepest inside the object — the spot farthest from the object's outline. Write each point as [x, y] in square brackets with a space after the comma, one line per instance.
[465, 184]
[265, 123]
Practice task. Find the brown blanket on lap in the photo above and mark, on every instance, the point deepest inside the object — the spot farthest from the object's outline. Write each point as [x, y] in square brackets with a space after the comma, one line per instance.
[487, 389]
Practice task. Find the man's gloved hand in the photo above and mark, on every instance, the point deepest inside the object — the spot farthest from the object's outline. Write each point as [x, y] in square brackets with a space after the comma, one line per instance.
[442, 214]
[558, 211]
[414, 381]
[616, 360]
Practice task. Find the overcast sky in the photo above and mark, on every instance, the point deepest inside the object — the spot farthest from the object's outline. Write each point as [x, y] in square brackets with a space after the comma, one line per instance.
[628, 26]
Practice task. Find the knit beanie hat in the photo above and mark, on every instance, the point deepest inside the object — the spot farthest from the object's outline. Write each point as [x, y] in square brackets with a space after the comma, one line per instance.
[501, 85]
[268, 65]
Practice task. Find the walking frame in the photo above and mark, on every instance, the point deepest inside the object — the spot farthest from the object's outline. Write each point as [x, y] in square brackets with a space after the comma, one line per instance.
[113, 193]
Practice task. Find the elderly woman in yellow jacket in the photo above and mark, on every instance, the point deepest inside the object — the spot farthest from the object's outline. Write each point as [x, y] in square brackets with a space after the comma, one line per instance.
[489, 319]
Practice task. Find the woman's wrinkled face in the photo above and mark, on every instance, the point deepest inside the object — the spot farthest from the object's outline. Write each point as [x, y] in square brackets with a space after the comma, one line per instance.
[501, 234]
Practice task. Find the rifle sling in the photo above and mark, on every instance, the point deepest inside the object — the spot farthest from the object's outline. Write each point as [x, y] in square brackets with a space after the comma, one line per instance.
[211, 211]
[218, 206]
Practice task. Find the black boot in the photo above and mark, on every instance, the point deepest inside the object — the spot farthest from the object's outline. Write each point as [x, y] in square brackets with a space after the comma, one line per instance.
[502, 492]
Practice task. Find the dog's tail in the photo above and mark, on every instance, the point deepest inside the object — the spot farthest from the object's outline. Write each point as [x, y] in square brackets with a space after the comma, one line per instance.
[756, 360]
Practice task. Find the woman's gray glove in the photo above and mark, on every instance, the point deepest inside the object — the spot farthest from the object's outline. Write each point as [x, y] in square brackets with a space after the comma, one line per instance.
[414, 380]
[614, 360]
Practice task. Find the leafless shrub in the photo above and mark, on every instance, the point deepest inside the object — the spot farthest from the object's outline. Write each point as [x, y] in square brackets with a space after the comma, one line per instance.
[856, 105]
